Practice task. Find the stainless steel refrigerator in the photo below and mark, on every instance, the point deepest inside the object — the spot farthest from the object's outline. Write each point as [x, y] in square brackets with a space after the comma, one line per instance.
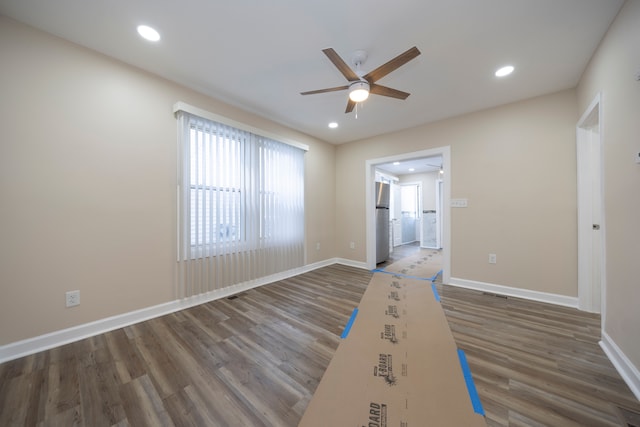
[382, 221]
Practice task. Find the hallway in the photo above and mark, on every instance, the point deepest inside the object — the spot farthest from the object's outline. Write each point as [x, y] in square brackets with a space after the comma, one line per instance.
[400, 252]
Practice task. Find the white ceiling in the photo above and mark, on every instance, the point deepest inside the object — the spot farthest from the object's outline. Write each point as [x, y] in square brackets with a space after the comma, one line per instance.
[419, 165]
[259, 55]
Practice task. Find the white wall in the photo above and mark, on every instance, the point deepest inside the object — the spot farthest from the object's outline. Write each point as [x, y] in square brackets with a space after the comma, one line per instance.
[428, 182]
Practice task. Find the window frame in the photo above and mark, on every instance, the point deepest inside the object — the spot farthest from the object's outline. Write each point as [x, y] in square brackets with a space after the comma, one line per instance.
[204, 141]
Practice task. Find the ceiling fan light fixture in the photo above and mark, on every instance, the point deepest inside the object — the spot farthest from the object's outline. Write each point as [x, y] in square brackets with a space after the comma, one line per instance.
[359, 91]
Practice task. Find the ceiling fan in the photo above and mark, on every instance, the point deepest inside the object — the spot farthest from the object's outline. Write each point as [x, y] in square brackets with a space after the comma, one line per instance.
[361, 85]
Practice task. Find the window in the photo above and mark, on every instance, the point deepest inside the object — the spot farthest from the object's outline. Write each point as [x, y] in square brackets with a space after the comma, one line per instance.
[215, 198]
[241, 204]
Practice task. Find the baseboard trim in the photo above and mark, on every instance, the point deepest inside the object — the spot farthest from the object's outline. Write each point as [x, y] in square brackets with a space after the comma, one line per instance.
[515, 292]
[65, 336]
[621, 362]
[351, 263]
[627, 370]
[34, 345]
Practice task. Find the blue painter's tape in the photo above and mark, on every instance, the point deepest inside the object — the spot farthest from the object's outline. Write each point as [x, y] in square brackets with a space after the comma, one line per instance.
[435, 292]
[471, 387]
[434, 278]
[349, 323]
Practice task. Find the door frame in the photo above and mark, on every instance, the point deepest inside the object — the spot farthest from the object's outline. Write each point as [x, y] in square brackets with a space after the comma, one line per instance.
[396, 219]
[439, 209]
[590, 189]
[370, 176]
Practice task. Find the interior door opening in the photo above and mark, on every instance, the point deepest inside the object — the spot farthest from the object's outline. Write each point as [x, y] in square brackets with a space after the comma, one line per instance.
[591, 259]
[410, 212]
[443, 154]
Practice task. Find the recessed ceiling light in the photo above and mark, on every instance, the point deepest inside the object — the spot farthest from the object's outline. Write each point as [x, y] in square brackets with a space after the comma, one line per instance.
[148, 33]
[505, 71]
[333, 125]
[411, 169]
[396, 163]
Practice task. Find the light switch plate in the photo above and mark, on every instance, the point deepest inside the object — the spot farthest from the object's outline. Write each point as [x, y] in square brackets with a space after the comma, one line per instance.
[459, 203]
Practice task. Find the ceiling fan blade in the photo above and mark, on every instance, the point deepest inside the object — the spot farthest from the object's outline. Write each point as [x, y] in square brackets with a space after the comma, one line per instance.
[342, 66]
[331, 89]
[350, 106]
[392, 65]
[387, 91]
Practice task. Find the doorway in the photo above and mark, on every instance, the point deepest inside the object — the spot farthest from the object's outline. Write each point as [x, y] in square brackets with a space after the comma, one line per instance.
[410, 212]
[591, 257]
[445, 154]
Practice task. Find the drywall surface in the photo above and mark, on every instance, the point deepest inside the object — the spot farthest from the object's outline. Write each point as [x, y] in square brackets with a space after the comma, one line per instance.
[516, 165]
[612, 73]
[88, 184]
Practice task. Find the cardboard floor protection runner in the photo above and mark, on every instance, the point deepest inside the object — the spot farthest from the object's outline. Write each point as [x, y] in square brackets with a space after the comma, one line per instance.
[426, 264]
[397, 365]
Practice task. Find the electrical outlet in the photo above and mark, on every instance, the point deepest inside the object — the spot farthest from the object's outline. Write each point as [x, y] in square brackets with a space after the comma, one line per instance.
[72, 298]
[318, 246]
[492, 258]
[352, 245]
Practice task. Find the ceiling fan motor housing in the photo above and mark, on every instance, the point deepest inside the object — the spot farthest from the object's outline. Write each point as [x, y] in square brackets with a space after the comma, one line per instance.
[359, 56]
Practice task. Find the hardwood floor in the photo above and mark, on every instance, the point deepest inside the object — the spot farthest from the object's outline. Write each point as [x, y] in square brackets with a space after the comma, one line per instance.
[536, 364]
[400, 252]
[255, 360]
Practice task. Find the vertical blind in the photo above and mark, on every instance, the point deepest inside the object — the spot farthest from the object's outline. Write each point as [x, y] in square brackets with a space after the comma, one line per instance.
[241, 205]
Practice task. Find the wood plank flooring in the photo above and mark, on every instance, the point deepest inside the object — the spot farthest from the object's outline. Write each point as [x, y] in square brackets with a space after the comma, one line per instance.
[535, 364]
[256, 360]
